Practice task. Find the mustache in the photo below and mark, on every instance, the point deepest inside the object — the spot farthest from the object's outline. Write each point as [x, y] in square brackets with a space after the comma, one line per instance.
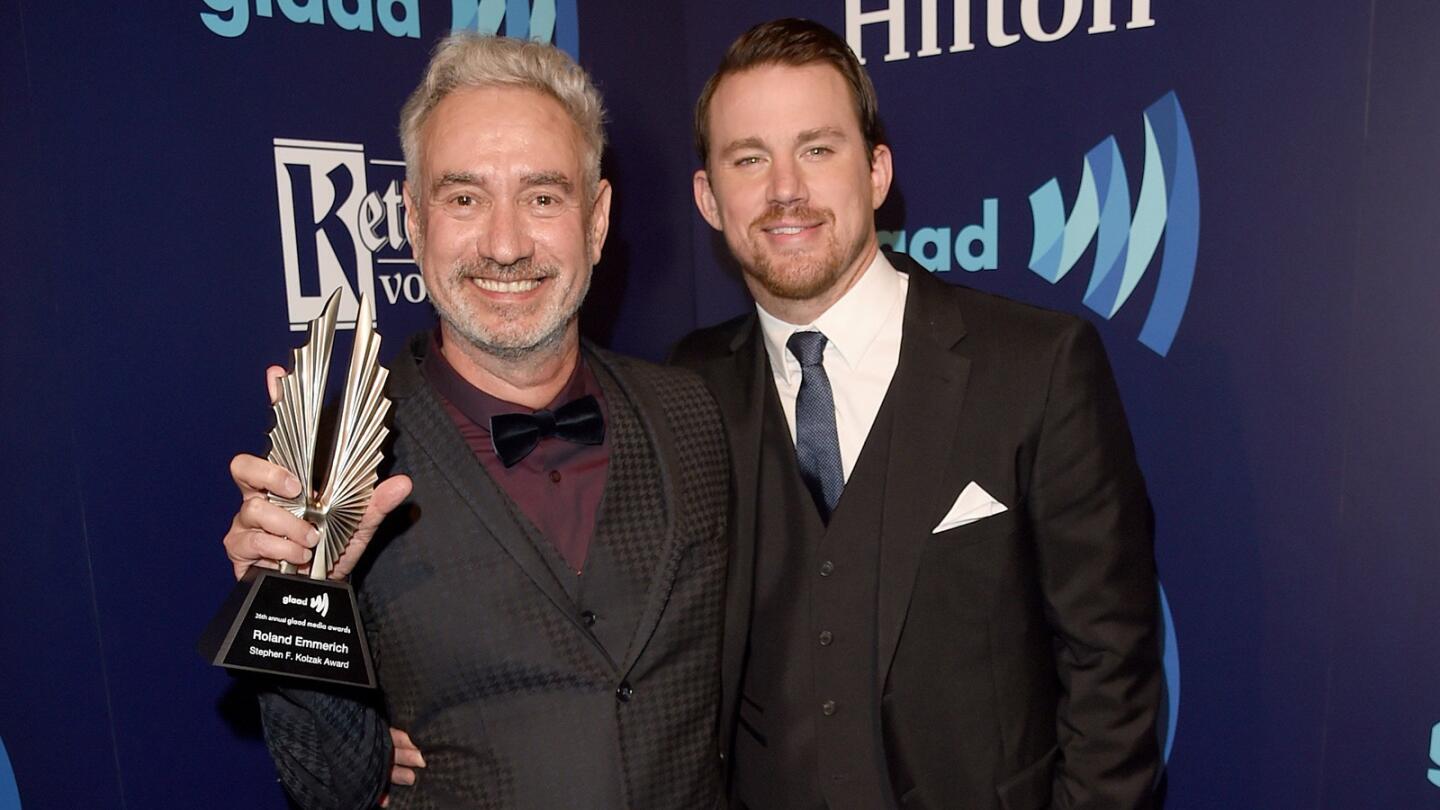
[777, 214]
[520, 270]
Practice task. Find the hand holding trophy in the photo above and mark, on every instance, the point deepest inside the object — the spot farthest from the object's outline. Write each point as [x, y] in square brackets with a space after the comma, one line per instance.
[308, 626]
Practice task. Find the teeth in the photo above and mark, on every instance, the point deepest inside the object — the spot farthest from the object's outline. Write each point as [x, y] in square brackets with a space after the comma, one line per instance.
[787, 231]
[523, 285]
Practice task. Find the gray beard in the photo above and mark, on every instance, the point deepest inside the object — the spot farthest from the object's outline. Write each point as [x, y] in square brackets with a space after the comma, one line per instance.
[512, 348]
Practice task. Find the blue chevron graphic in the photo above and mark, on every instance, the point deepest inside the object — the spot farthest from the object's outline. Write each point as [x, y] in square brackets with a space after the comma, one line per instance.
[1170, 657]
[554, 21]
[9, 792]
[1433, 774]
[1169, 205]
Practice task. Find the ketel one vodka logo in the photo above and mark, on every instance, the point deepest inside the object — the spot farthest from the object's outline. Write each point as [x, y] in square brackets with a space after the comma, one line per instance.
[335, 232]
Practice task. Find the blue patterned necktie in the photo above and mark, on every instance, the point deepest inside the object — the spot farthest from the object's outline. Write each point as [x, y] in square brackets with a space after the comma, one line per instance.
[817, 443]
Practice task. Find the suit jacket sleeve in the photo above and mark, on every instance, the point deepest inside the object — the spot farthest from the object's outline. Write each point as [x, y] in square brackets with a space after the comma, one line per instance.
[332, 752]
[1094, 531]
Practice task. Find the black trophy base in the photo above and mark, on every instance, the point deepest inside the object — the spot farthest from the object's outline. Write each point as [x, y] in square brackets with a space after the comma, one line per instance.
[288, 625]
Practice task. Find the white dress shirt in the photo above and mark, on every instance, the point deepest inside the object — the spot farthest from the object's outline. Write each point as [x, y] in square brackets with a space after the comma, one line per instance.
[862, 349]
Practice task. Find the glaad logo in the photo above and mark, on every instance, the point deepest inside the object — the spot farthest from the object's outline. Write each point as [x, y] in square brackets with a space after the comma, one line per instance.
[554, 21]
[1434, 773]
[1169, 204]
[398, 18]
[1169, 714]
[976, 245]
[319, 603]
[961, 40]
[9, 791]
[333, 230]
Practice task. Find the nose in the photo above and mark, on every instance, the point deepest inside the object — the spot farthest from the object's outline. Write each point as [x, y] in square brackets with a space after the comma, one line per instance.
[506, 236]
[787, 183]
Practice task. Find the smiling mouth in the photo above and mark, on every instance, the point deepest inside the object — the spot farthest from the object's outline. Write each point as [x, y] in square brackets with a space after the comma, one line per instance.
[782, 221]
[514, 286]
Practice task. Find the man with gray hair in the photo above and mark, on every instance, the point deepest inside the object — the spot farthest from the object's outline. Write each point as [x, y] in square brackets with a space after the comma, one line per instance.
[526, 684]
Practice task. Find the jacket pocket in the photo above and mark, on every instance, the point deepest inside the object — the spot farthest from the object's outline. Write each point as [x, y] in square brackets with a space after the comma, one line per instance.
[987, 528]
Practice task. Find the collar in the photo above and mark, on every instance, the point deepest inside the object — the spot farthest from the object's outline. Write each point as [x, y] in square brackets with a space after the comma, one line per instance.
[849, 325]
[479, 406]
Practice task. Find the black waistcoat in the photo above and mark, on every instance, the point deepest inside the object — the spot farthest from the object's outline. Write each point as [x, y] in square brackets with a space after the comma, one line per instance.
[809, 717]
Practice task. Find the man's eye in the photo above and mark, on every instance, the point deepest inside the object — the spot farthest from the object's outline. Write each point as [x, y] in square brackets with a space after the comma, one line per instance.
[463, 200]
[545, 204]
[748, 160]
[818, 151]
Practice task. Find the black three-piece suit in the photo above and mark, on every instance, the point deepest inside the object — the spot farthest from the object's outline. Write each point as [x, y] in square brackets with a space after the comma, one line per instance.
[1008, 663]
[524, 685]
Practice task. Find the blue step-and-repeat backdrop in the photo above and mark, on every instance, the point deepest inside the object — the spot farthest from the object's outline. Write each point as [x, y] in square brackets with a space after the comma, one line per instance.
[1244, 197]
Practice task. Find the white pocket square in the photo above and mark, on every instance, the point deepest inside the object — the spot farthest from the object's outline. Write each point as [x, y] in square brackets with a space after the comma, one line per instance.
[973, 504]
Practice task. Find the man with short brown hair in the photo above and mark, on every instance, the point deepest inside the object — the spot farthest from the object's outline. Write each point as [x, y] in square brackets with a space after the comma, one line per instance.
[942, 584]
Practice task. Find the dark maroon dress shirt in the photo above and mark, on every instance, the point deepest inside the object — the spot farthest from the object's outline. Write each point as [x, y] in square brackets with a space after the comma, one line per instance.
[559, 485]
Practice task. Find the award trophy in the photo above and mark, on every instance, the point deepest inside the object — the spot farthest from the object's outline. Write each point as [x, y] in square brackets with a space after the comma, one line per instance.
[307, 626]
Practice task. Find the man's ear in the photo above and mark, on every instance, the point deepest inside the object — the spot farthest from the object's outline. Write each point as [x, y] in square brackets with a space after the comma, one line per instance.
[881, 173]
[705, 200]
[599, 220]
[412, 221]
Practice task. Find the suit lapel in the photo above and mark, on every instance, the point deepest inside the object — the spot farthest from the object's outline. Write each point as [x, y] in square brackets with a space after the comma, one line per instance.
[926, 393]
[426, 423]
[650, 412]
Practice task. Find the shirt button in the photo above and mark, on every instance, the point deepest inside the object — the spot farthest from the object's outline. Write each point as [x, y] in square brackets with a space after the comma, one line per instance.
[555, 476]
[827, 568]
[623, 692]
[826, 637]
[588, 617]
[827, 708]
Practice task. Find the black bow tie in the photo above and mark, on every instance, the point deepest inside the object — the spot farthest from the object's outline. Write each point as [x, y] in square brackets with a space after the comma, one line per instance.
[514, 435]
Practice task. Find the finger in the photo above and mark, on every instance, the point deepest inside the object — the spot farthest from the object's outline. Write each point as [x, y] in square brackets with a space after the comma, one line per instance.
[401, 776]
[389, 494]
[242, 567]
[273, 375]
[255, 546]
[406, 753]
[254, 475]
[258, 513]
[248, 548]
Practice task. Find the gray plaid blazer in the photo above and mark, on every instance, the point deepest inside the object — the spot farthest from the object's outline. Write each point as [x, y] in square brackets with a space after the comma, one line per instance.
[524, 686]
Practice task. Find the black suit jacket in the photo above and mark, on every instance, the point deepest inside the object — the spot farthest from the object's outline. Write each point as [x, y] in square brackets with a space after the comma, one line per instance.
[1018, 655]
[525, 686]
